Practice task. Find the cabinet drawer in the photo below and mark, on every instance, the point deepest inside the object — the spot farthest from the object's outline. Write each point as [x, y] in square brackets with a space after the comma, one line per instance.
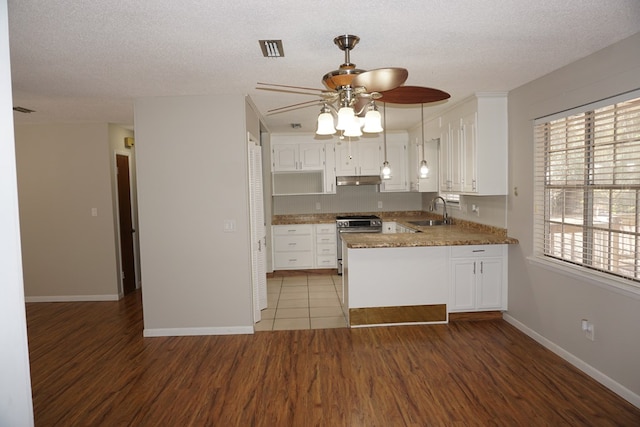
[292, 243]
[294, 229]
[467, 251]
[293, 260]
[329, 249]
[326, 261]
[326, 229]
[322, 239]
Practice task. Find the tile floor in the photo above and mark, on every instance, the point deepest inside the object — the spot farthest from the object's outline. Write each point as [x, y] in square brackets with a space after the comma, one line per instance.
[302, 302]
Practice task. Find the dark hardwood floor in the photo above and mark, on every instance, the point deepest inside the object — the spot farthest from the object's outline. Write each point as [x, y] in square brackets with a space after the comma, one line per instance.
[91, 366]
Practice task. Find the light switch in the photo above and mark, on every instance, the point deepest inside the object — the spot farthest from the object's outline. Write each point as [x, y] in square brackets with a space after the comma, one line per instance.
[94, 211]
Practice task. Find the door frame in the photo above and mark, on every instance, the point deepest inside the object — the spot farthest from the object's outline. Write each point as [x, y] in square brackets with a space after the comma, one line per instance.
[134, 220]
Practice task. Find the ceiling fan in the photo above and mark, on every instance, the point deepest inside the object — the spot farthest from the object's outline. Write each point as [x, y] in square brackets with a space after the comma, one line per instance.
[351, 93]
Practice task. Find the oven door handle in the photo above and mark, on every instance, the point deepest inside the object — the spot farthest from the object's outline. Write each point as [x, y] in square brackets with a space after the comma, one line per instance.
[360, 230]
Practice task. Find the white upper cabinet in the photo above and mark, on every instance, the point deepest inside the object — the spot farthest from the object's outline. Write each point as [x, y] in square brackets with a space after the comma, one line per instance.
[297, 156]
[358, 157]
[398, 158]
[473, 146]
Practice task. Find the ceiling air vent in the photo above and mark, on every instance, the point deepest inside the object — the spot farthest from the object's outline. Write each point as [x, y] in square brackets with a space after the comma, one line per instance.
[271, 48]
[23, 110]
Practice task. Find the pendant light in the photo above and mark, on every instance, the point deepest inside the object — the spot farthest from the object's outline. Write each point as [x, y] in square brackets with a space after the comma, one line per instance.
[424, 167]
[386, 169]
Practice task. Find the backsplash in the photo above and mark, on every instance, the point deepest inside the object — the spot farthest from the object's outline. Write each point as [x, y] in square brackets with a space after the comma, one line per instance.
[347, 199]
[492, 210]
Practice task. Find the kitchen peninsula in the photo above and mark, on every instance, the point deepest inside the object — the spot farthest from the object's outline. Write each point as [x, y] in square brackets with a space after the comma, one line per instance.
[421, 276]
[417, 278]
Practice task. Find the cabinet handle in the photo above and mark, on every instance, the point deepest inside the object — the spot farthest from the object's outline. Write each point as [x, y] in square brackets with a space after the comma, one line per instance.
[478, 250]
[292, 244]
[293, 259]
[474, 267]
[481, 267]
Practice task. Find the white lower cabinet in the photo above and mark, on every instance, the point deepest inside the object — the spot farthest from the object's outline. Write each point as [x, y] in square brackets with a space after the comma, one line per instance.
[292, 246]
[478, 277]
[326, 249]
[304, 246]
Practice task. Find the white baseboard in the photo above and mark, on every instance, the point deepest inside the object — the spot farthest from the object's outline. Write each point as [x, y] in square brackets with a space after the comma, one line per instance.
[606, 381]
[182, 332]
[72, 298]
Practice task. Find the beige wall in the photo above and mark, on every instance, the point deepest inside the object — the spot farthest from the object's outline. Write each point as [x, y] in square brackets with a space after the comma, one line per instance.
[546, 302]
[192, 176]
[64, 173]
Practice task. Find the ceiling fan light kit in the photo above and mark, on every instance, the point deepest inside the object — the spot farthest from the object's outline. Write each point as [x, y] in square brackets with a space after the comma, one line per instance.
[352, 92]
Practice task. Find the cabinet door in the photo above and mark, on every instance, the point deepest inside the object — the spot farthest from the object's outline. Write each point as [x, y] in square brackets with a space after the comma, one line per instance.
[489, 287]
[445, 158]
[469, 142]
[330, 168]
[397, 158]
[284, 157]
[462, 290]
[369, 158]
[456, 156]
[312, 156]
[346, 159]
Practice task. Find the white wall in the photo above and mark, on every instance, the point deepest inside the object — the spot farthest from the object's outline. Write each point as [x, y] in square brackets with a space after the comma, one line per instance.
[192, 177]
[63, 173]
[545, 302]
[16, 407]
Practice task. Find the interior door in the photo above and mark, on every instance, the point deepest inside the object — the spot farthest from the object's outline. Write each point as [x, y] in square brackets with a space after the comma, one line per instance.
[258, 229]
[126, 225]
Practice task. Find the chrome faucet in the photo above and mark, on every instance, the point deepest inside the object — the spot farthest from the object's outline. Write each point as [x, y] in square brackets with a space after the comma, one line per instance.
[445, 215]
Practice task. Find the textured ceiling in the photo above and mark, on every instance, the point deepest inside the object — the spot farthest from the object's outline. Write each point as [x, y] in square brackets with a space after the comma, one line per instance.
[86, 61]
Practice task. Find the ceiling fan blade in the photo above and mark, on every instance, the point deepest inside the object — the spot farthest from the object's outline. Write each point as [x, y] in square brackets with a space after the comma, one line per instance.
[295, 106]
[413, 95]
[291, 87]
[380, 79]
[297, 92]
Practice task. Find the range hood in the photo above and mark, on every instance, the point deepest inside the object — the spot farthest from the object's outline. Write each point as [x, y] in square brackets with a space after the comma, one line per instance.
[358, 180]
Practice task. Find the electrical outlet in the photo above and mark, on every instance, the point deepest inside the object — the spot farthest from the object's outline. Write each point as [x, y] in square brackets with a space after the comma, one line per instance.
[318, 207]
[379, 204]
[229, 225]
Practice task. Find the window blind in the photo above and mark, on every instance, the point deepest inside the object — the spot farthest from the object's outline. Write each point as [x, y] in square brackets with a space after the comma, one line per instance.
[587, 178]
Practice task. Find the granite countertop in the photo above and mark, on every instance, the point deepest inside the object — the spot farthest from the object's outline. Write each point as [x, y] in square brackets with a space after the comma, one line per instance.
[460, 233]
[441, 235]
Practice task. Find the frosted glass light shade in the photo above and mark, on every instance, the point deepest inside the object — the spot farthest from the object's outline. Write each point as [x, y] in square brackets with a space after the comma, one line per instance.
[325, 124]
[386, 170]
[353, 128]
[424, 169]
[346, 116]
[372, 122]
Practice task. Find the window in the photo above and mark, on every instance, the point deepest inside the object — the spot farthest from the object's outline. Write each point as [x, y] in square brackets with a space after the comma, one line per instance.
[588, 187]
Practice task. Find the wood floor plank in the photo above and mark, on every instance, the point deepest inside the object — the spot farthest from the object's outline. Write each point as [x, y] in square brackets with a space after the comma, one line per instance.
[91, 366]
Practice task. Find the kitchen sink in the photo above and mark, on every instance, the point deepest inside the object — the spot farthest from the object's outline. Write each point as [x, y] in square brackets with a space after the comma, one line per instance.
[427, 223]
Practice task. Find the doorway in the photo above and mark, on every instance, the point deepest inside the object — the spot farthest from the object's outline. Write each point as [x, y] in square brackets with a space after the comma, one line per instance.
[125, 220]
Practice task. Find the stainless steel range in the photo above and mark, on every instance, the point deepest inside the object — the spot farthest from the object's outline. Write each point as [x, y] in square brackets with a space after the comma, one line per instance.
[355, 224]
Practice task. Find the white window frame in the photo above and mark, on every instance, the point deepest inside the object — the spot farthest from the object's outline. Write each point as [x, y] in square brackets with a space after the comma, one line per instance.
[627, 286]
